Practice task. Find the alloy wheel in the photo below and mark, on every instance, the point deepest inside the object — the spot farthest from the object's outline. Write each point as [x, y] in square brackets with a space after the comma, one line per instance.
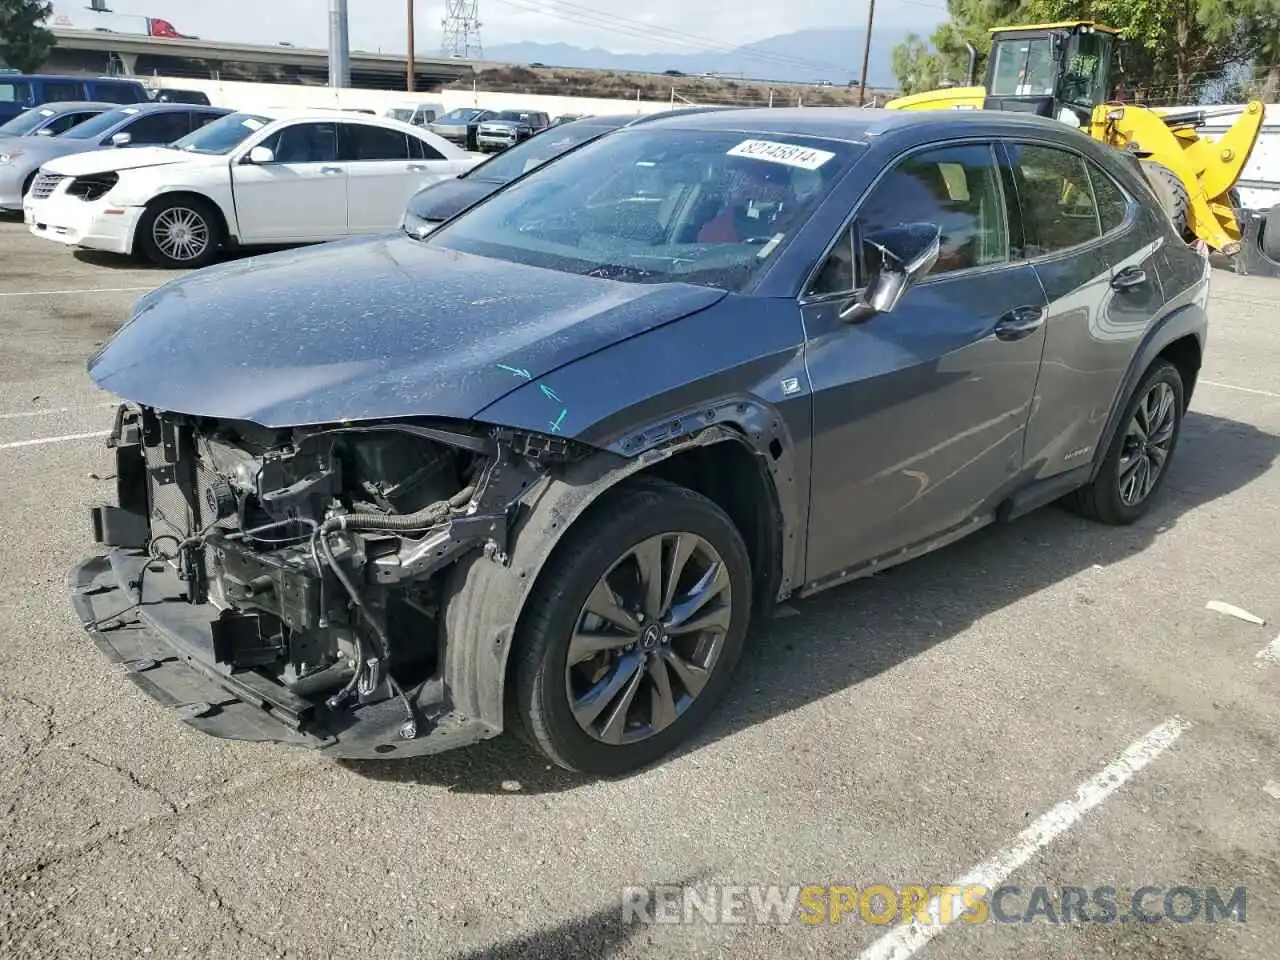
[1147, 443]
[648, 638]
[181, 234]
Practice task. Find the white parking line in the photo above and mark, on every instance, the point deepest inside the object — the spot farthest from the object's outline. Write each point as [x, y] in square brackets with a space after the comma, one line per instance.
[1232, 386]
[58, 293]
[906, 940]
[51, 411]
[43, 440]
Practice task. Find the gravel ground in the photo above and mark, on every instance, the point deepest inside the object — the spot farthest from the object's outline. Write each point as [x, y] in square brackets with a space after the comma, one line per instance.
[901, 730]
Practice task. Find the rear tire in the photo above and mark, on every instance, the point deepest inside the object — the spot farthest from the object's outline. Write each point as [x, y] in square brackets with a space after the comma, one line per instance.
[1172, 194]
[605, 700]
[180, 233]
[1145, 441]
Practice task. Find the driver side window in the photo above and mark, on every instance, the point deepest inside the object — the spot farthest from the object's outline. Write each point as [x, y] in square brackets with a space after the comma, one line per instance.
[957, 189]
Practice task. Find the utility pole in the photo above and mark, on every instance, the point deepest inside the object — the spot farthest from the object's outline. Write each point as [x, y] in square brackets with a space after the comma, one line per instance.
[408, 9]
[339, 45]
[866, 54]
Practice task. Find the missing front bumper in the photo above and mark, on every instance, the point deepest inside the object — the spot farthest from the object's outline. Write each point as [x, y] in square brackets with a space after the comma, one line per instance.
[165, 646]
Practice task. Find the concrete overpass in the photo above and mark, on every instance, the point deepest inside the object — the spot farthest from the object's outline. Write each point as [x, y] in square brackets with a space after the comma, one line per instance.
[143, 55]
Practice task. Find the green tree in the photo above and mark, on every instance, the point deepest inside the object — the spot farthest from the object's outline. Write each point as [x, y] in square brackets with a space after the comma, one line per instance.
[25, 43]
[918, 67]
[1255, 25]
[1173, 48]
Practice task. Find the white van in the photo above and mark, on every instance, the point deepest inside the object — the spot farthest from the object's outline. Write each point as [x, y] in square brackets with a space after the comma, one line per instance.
[417, 112]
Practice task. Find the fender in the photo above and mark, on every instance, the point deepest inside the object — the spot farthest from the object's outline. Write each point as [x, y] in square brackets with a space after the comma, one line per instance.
[485, 599]
[1190, 319]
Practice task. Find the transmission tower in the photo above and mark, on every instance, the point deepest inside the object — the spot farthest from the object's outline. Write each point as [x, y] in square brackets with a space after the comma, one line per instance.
[460, 36]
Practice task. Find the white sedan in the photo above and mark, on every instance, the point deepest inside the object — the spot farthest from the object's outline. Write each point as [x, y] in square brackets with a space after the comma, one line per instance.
[247, 179]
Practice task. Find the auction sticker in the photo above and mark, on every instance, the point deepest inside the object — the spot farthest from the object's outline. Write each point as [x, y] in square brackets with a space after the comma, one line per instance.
[805, 158]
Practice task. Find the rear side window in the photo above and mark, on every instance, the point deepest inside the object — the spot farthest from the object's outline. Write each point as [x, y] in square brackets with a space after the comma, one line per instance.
[364, 142]
[421, 150]
[956, 188]
[1113, 205]
[15, 92]
[1057, 198]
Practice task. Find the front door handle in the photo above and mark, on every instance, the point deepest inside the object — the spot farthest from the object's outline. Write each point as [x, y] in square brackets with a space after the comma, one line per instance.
[1128, 278]
[417, 167]
[1020, 322]
[330, 170]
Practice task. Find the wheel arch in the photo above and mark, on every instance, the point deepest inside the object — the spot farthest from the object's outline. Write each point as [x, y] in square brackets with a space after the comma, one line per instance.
[224, 223]
[485, 601]
[1178, 338]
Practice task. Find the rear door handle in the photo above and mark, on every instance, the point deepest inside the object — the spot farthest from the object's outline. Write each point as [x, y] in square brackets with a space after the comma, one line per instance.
[331, 170]
[1020, 322]
[1128, 278]
[417, 167]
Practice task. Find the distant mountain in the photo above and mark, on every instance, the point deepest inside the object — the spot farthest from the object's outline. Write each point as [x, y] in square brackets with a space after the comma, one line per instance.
[807, 56]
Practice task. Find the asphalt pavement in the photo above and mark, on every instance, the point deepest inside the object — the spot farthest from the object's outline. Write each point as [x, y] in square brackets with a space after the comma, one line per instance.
[1048, 703]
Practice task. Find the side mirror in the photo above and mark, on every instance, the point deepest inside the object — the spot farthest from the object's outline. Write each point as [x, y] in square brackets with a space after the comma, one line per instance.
[907, 253]
[121, 139]
[261, 155]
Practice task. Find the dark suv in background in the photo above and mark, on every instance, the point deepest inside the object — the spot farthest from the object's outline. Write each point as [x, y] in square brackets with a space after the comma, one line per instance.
[22, 91]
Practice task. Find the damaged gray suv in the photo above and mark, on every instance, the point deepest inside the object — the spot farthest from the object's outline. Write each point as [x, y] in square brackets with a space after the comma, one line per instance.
[541, 468]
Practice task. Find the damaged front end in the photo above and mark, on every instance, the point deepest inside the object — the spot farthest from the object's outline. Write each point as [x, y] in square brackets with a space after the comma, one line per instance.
[287, 585]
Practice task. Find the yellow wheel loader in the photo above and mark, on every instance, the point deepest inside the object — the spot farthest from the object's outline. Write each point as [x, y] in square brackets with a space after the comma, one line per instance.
[1064, 71]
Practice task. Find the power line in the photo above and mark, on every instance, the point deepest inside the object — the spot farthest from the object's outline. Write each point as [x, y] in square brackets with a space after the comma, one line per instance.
[460, 35]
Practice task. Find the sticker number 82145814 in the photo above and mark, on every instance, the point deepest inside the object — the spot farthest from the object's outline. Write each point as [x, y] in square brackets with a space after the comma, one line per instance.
[806, 158]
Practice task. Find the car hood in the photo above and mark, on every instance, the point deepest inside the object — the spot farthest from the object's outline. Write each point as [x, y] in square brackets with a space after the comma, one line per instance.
[371, 328]
[104, 159]
[442, 200]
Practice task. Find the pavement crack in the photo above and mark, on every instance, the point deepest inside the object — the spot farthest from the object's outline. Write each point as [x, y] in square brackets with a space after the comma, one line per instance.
[212, 895]
[129, 775]
[30, 749]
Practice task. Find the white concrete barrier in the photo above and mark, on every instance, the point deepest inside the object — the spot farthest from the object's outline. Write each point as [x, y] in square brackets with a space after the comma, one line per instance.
[248, 96]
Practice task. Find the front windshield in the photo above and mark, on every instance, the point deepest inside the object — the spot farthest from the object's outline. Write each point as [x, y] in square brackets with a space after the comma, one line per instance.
[534, 152]
[96, 126]
[222, 135]
[1023, 68]
[460, 116]
[24, 123]
[655, 206]
[1087, 77]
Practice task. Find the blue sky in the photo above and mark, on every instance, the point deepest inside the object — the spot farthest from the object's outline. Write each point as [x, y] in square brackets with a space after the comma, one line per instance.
[668, 25]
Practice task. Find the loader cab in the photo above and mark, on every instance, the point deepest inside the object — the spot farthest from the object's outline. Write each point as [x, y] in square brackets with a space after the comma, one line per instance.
[1057, 70]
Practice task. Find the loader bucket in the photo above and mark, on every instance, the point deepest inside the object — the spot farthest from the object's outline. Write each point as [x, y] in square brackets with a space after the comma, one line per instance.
[1207, 168]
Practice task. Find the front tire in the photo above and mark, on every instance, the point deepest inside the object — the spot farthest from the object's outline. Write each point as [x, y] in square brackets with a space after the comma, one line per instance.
[1138, 459]
[633, 631]
[182, 233]
[1171, 192]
